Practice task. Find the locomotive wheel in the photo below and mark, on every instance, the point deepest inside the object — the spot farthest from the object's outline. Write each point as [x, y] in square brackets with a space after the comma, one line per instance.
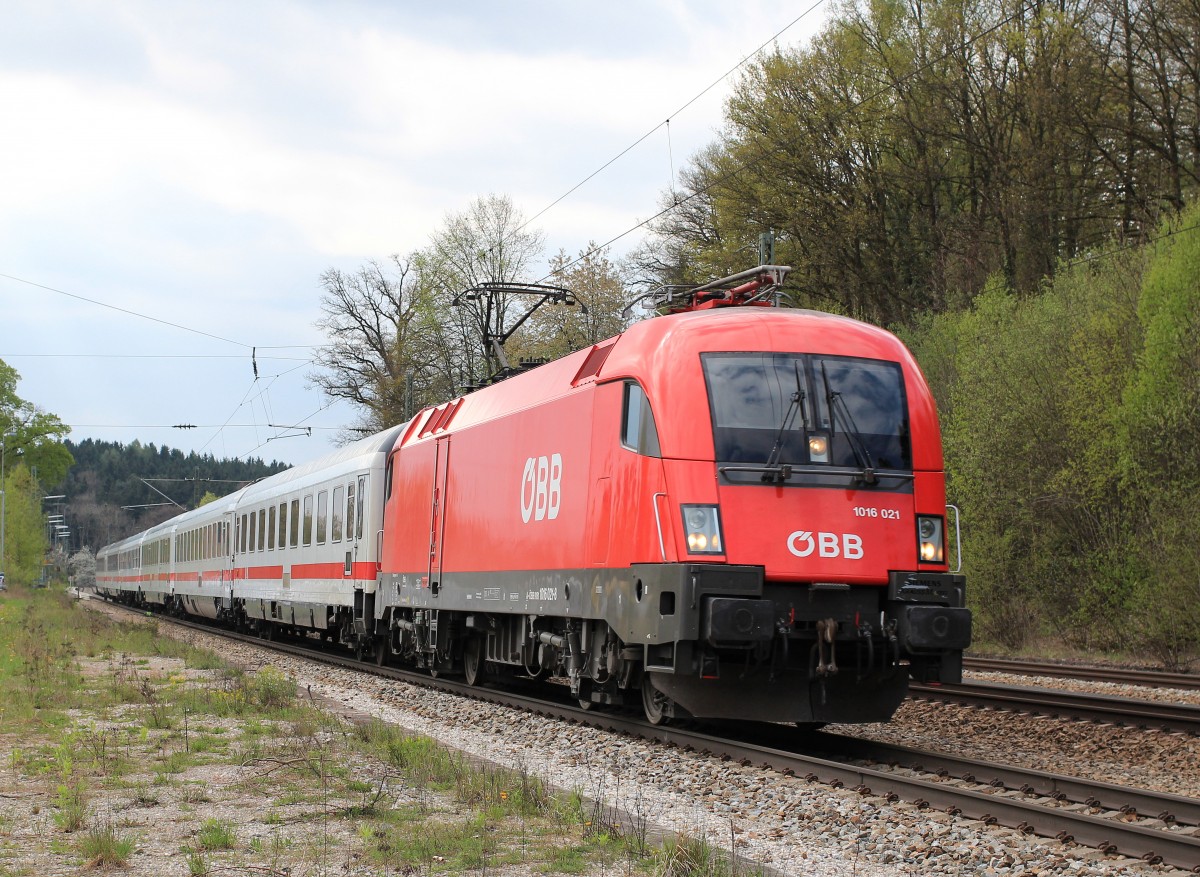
[585, 695]
[654, 702]
[472, 659]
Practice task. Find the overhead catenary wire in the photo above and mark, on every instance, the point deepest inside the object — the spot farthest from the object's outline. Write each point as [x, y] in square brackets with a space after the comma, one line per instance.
[666, 122]
[122, 310]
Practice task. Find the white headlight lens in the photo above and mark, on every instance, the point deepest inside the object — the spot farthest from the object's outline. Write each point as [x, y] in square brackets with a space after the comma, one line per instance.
[702, 526]
[929, 539]
[818, 449]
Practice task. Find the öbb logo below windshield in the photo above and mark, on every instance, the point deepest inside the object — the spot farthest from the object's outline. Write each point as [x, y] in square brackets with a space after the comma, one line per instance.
[803, 543]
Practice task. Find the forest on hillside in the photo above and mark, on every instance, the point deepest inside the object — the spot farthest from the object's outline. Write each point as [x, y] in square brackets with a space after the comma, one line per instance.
[113, 489]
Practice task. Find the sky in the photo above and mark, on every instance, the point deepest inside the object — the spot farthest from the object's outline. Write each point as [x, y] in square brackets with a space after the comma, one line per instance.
[175, 177]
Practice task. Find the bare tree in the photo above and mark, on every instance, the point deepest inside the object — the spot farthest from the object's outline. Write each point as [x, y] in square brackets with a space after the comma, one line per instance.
[373, 358]
[488, 243]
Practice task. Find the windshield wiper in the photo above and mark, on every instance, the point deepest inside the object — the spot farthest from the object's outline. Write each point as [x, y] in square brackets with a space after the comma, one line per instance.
[774, 472]
[853, 436]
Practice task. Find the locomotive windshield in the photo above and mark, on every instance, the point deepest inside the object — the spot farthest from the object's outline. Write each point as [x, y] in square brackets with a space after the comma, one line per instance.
[777, 409]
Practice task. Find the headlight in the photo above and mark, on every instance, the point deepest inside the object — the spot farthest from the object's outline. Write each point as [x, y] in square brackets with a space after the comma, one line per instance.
[702, 524]
[929, 539]
[818, 449]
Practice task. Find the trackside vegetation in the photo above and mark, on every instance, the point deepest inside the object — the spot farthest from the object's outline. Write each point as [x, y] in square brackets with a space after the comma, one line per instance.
[1071, 421]
[122, 747]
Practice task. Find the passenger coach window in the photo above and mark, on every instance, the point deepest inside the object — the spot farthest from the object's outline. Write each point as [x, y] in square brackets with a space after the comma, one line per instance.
[271, 530]
[337, 514]
[322, 515]
[308, 520]
[242, 536]
[262, 528]
[295, 527]
[362, 499]
[350, 511]
[283, 525]
[638, 432]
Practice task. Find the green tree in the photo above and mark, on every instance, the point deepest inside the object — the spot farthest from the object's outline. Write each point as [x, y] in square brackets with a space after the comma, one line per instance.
[24, 533]
[1160, 432]
[31, 436]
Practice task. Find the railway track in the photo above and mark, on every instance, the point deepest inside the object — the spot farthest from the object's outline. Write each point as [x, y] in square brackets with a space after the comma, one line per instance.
[1064, 704]
[1032, 802]
[1089, 672]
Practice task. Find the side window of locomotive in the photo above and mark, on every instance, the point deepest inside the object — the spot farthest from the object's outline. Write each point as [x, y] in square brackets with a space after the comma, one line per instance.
[349, 510]
[638, 432]
[295, 526]
[362, 501]
[322, 515]
[337, 514]
[387, 479]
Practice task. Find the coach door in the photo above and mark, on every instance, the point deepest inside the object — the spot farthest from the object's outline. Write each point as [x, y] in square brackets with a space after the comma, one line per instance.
[437, 520]
[225, 553]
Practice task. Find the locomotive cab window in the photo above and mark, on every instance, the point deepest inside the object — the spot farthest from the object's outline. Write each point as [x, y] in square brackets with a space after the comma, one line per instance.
[804, 410]
[638, 432]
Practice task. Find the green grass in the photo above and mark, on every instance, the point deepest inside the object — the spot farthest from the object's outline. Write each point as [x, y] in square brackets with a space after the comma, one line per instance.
[128, 737]
[217, 834]
[104, 845]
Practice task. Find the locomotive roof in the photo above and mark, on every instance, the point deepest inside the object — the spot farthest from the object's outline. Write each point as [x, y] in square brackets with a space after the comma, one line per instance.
[654, 352]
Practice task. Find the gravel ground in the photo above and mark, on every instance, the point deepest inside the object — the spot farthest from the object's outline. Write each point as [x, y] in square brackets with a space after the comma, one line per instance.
[788, 824]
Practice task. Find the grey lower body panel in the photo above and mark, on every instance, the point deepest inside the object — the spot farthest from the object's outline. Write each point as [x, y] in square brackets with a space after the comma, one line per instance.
[295, 614]
[788, 696]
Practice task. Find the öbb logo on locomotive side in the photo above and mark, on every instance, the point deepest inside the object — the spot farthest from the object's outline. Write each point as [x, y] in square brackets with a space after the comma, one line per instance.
[848, 545]
[541, 488]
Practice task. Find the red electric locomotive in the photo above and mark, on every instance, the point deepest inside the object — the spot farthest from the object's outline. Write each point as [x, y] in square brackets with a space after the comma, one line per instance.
[734, 512]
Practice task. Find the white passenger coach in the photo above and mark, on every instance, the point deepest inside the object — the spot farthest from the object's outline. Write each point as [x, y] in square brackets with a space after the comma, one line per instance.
[298, 549]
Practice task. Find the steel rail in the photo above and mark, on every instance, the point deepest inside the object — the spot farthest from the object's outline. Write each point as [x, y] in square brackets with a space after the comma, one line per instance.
[1093, 793]
[1030, 817]
[1090, 672]
[1090, 707]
